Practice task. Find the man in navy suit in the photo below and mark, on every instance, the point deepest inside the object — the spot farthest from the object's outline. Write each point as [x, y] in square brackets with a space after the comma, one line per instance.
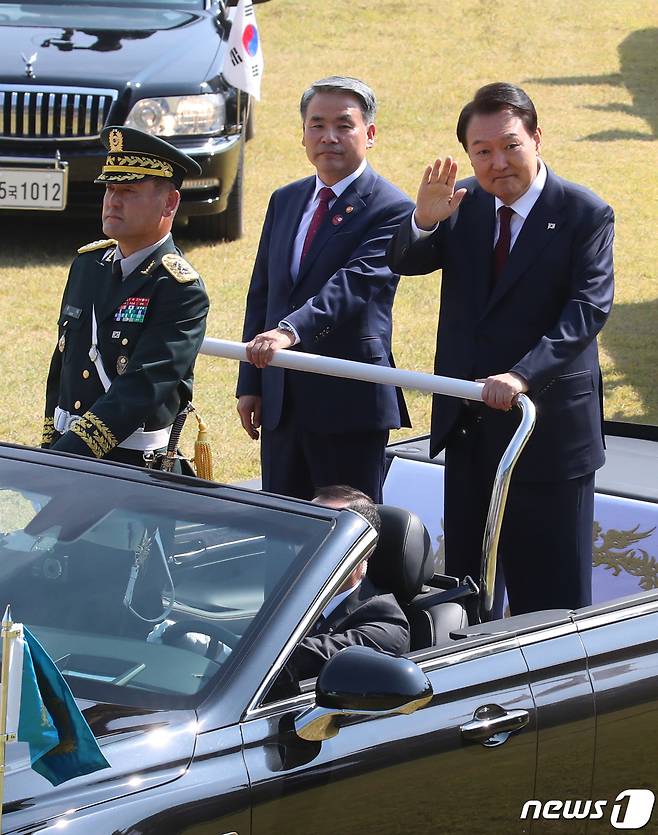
[527, 285]
[359, 614]
[320, 282]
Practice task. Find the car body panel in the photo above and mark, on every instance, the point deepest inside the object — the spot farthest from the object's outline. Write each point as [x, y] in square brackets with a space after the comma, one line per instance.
[72, 48]
[132, 741]
[361, 780]
[621, 641]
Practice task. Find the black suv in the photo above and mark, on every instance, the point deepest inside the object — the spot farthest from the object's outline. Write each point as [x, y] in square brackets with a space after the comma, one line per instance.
[68, 68]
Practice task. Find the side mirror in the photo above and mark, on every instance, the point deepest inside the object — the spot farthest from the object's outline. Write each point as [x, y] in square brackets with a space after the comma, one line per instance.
[359, 681]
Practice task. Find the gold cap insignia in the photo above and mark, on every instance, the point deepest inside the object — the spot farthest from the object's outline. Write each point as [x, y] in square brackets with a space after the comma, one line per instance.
[179, 268]
[116, 140]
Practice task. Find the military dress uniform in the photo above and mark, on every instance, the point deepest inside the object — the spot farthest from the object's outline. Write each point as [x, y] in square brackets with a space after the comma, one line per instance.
[122, 368]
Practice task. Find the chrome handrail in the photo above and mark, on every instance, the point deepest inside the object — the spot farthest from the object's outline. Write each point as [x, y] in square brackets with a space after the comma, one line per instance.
[430, 384]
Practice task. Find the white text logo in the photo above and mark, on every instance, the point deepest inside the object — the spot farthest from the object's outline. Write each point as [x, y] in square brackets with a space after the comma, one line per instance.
[631, 809]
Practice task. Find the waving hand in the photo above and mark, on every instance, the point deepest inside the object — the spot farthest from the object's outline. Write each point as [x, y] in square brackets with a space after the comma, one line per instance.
[437, 198]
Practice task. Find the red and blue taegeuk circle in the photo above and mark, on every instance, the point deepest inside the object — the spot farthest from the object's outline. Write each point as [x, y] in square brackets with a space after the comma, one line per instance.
[250, 39]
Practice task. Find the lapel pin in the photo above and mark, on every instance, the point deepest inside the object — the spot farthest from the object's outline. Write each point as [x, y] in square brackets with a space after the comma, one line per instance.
[336, 219]
[349, 209]
[551, 226]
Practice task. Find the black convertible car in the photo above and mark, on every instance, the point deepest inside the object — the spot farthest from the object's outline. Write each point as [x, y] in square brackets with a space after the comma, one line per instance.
[544, 722]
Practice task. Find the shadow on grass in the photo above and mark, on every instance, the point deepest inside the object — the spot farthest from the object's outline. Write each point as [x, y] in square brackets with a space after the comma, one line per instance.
[638, 73]
[631, 338]
[52, 240]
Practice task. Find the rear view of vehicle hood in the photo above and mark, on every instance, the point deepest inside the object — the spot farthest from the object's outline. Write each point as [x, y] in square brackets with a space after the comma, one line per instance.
[108, 47]
[144, 749]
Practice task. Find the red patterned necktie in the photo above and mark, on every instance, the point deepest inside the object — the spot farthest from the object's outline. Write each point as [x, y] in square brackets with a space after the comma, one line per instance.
[501, 250]
[326, 195]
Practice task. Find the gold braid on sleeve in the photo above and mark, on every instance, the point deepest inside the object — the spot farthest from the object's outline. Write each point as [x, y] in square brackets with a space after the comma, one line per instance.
[96, 434]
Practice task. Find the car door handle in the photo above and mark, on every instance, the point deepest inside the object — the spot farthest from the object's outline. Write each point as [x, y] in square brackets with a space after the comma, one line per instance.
[492, 724]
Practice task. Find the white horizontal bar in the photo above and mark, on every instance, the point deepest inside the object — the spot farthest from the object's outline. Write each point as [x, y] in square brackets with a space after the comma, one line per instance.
[351, 370]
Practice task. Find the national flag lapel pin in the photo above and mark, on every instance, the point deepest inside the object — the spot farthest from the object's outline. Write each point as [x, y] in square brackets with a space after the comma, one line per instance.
[336, 219]
[551, 226]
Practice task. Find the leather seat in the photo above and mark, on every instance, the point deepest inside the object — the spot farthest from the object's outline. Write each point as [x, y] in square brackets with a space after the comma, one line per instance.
[404, 563]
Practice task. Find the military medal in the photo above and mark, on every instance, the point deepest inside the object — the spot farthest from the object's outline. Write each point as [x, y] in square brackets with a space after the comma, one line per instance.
[122, 362]
[132, 310]
[62, 343]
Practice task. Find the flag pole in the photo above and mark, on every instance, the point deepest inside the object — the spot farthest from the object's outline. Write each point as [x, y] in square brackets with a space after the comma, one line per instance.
[8, 635]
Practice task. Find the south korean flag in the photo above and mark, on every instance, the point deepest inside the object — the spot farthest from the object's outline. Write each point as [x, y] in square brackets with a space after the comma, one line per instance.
[243, 67]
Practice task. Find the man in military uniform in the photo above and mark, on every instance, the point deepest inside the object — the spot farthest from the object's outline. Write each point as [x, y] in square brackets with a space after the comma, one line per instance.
[133, 313]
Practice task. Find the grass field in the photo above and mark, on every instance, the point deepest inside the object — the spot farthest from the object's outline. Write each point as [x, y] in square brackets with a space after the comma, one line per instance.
[590, 67]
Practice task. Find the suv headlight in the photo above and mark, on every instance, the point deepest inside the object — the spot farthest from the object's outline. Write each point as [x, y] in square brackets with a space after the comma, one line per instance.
[179, 115]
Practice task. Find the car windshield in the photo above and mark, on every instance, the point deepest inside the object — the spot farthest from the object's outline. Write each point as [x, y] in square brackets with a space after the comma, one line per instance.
[142, 594]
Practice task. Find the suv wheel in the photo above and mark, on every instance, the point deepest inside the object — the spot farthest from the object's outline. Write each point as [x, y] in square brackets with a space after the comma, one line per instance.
[226, 226]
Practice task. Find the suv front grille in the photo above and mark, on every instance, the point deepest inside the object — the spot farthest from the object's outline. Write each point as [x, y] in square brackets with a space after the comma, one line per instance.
[62, 113]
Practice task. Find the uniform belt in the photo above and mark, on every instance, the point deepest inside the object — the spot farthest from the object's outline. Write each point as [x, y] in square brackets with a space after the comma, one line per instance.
[139, 440]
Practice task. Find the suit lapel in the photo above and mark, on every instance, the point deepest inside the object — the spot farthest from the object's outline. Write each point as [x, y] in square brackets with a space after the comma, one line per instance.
[474, 231]
[538, 231]
[284, 238]
[343, 610]
[131, 284]
[350, 203]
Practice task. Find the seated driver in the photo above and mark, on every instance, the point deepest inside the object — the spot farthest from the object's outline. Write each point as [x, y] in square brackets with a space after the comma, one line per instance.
[359, 614]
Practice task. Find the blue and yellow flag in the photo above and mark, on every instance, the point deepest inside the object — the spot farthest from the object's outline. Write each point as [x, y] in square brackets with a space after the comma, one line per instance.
[41, 711]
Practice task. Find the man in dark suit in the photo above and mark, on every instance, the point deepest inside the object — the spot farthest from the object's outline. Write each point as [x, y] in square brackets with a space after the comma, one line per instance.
[359, 614]
[527, 285]
[320, 282]
[133, 313]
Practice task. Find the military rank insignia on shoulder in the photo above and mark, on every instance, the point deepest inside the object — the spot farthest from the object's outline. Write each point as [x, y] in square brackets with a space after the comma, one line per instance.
[97, 245]
[179, 268]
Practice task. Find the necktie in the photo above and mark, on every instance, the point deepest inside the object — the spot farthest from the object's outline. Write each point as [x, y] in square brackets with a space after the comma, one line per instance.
[117, 272]
[326, 195]
[501, 250]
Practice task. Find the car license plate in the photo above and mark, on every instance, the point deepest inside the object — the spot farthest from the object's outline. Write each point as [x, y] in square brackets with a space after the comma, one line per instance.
[33, 188]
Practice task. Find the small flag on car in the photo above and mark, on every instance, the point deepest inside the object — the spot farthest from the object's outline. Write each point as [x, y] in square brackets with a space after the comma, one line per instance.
[39, 709]
[244, 65]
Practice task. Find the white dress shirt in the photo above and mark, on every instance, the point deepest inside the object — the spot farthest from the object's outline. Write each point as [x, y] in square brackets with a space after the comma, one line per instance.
[521, 207]
[131, 262]
[338, 599]
[338, 188]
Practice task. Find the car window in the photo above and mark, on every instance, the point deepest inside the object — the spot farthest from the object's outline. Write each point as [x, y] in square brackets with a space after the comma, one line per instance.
[141, 594]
